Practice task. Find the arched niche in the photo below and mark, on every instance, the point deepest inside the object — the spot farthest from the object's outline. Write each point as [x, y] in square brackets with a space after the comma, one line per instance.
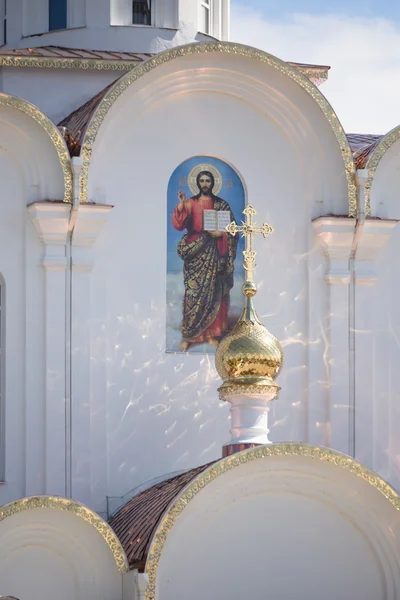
[378, 336]
[35, 144]
[256, 113]
[262, 84]
[383, 180]
[54, 547]
[34, 166]
[286, 508]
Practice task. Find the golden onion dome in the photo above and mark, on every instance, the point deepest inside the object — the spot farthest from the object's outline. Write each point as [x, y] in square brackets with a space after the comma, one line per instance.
[249, 353]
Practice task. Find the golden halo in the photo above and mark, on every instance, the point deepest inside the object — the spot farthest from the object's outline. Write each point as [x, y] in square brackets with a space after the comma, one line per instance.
[204, 167]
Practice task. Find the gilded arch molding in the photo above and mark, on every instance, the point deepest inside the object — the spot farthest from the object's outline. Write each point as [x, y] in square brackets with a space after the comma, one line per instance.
[228, 48]
[53, 133]
[236, 460]
[374, 160]
[81, 511]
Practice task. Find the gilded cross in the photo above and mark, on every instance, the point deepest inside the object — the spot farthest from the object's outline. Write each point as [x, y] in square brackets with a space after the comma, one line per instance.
[248, 229]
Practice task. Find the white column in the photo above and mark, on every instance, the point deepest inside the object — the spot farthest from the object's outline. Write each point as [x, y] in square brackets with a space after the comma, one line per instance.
[142, 583]
[336, 237]
[90, 221]
[121, 12]
[374, 236]
[51, 222]
[225, 20]
[249, 418]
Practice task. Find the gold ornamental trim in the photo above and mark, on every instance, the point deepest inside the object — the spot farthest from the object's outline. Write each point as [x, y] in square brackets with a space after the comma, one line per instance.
[374, 160]
[86, 64]
[228, 390]
[103, 64]
[78, 509]
[227, 48]
[53, 133]
[241, 458]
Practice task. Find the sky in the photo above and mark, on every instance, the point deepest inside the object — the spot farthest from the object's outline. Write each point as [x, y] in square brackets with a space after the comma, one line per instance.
[359, 40]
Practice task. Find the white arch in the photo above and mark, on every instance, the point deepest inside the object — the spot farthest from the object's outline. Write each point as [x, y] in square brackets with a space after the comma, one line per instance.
[374, 161]
[76, 508]
[225, 48]
[195, 487]
[51, 132]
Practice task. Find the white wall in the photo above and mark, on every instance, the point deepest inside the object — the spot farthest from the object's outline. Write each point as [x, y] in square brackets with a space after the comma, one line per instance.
[378, 383]
[89, 24]
[56, 92]
[378, 332]
[161, 412]
[138, 412]
[29, 171]
[384, 201]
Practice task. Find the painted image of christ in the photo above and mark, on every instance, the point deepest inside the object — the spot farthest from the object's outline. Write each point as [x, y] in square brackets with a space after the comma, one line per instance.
[207, 254]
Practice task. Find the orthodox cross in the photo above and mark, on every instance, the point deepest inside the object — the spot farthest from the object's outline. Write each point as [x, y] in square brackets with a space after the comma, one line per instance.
[248, 229]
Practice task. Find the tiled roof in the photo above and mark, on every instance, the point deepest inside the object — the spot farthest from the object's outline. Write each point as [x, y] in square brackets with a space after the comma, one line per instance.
[362, 145]
[59, 57]
[136, 522]
[297, 65]
[57, 53]
[77, 122]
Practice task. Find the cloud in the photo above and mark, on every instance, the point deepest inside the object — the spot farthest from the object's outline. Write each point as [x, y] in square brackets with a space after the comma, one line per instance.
[364, 81]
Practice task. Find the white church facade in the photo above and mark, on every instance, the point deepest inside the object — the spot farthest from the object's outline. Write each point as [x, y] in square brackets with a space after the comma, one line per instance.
[112, 484]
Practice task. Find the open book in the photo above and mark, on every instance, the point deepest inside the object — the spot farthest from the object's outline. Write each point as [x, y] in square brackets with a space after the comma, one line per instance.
[216, 220]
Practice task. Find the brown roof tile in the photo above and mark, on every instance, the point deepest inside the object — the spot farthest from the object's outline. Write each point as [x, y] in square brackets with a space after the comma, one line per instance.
[297, 65]
[86, 54]
[136, 522]
[77, 122]
[57, 52]
[362, 145]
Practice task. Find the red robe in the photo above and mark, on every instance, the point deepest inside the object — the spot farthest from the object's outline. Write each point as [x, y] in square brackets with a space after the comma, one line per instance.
[191, 218]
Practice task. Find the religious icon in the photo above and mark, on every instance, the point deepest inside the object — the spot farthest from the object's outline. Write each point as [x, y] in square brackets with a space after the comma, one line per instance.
[207, 253]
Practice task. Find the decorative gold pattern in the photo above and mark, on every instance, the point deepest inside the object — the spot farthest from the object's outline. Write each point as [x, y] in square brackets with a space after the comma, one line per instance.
[52, 131]
[228, 48]
[249, 357]
[249, 350]
[67, 63]
[77, 509]
[373, 162]
[192, 178]
[236, 460]
[314, 75]
[262, 387]
[248, 229]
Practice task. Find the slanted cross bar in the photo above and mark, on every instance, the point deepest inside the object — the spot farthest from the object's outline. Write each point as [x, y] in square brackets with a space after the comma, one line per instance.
[248, 229]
